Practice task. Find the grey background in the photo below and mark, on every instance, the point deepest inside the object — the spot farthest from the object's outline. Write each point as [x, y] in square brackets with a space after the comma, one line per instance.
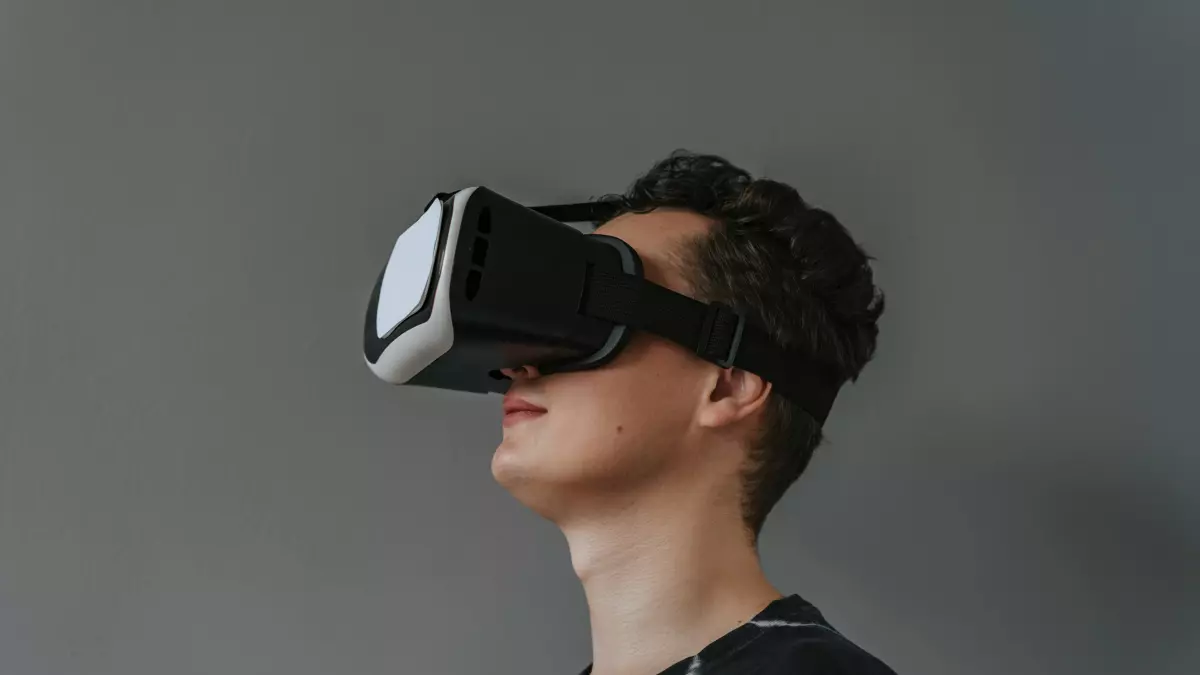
[198, 475]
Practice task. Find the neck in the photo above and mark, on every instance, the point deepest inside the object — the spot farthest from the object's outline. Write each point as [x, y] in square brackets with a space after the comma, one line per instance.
[662, 583]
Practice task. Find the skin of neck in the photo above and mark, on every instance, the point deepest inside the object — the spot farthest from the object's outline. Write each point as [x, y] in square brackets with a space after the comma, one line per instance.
[665, 571]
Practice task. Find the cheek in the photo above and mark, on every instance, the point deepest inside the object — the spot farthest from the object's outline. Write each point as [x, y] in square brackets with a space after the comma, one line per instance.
[622, 420]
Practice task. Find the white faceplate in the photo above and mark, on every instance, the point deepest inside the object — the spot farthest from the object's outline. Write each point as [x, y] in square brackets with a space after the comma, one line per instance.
[409, 271]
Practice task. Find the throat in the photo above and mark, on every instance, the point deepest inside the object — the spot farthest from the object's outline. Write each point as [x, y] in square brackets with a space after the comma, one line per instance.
[656, 598]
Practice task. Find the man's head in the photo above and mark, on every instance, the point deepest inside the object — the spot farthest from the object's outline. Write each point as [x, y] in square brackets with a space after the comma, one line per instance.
[658, 421]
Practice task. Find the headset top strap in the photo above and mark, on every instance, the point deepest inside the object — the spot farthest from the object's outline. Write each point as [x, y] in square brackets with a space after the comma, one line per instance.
[590, 212]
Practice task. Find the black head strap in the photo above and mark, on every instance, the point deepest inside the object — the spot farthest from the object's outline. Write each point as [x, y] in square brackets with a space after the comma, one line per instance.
[714, 331]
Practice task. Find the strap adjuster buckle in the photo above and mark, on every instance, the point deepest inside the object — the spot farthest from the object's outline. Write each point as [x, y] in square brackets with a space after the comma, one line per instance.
[718, 315]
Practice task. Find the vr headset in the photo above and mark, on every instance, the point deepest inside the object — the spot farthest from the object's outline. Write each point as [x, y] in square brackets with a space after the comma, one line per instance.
[479, 283]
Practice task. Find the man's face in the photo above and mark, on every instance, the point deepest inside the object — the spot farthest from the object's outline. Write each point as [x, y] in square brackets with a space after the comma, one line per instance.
[614, 429]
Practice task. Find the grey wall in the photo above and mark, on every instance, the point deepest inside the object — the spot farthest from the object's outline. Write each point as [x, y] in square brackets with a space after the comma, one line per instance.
[198, 475]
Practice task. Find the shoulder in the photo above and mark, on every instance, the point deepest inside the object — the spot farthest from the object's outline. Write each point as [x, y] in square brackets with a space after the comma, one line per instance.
[796, 640]
[815, 650]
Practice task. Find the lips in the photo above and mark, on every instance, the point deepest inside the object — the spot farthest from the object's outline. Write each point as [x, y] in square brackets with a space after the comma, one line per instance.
[517, 410]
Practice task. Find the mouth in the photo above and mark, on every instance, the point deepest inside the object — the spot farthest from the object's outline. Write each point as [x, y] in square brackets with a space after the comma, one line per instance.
[518, 410]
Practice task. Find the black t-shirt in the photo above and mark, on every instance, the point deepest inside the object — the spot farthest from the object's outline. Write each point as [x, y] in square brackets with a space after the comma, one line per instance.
[789, 637]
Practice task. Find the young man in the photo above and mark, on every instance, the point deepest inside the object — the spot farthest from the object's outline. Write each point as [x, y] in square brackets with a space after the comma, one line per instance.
[660, 467]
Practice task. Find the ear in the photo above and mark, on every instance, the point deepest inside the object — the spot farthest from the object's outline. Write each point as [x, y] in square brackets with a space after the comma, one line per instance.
[733, 396]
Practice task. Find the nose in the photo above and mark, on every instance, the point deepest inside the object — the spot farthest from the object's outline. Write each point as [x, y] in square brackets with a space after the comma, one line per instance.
[521, 373]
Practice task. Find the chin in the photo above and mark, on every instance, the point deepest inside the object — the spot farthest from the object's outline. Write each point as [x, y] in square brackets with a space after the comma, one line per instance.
[505, 463]
[512, 468]
[530, 482]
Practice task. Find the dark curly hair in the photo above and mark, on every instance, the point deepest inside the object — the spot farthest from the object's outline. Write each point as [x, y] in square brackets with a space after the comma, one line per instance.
[778, 260]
